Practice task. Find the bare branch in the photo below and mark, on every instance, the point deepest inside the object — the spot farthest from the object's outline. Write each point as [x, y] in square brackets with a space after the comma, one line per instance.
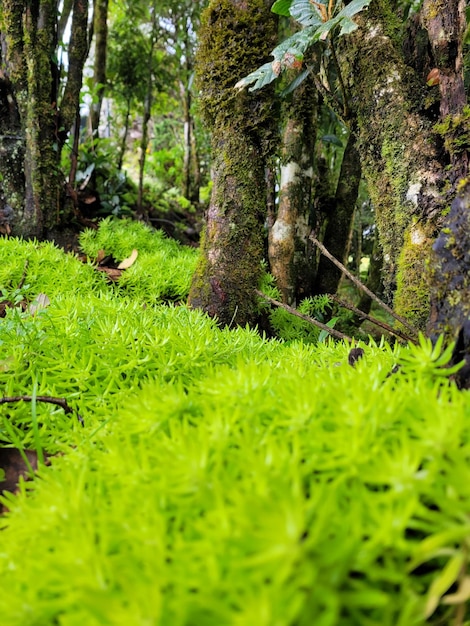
[362, 287]
[374, 320]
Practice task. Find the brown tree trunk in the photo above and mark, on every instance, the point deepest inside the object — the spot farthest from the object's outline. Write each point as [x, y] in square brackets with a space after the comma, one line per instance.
[290, 249]
[33, 127]
[30, 195]
[339, 220]
[400, 156]
[232, 248]
[100, 28]
[450, 266]
[450, 294]
[78, 51]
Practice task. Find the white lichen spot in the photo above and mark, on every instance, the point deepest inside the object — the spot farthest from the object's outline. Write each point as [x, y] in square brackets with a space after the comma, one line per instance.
[417, 236]
[281, 231]
[289, 173]
[412, 194]
[375, 31]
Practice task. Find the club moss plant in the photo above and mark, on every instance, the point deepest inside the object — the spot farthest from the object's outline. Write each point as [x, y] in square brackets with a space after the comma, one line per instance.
[220, 478]
[164, 268]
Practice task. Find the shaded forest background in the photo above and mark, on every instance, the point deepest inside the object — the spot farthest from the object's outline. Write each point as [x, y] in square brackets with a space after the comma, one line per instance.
[130, 109]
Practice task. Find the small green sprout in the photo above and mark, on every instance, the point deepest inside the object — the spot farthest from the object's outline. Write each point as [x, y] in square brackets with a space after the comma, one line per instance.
[428, 360]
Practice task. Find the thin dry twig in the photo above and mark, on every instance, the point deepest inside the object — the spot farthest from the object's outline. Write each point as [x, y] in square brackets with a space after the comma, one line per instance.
[362, 287]
[48, 399]
[333, 332]
[23, 277]
[374, 320]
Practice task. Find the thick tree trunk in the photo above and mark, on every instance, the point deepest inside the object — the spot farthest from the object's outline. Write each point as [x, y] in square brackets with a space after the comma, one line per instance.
[233, 36]
[450, 263]
[400, 158]
[290, 250]
[232, 246]
[450, 294]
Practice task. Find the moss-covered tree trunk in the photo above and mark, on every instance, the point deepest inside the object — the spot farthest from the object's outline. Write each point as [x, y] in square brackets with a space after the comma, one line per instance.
[29, 174]
[450, 264]
[32, 126]
[401, 157]
[233, 37]
[291, 256]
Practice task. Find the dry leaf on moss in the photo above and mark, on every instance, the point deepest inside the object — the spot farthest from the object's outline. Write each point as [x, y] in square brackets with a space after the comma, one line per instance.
[126, 263]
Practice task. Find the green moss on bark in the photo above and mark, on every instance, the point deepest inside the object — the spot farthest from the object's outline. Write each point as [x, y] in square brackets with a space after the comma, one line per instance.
[234, 37]
[412, 300]
[399, 153]
[455, 130]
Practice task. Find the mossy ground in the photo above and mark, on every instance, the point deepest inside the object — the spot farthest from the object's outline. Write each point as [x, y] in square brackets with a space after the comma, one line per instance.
[220, 478]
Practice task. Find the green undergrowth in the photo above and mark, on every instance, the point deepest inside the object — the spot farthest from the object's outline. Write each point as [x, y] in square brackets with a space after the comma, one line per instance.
[219, 478]
[164, 269]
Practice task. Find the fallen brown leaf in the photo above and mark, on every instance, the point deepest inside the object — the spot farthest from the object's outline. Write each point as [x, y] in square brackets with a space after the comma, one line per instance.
[126, 263]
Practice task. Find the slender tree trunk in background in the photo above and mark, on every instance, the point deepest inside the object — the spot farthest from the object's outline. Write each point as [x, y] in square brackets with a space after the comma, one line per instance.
[374, 278]
[147, 112]
[241, 123]
[144, 142]
[399, 152]
[64, 18]
[100, 28]
[78, 51]
[195, 187]
[191, 176]
[122, 150]
[339, 220]
[290, 250]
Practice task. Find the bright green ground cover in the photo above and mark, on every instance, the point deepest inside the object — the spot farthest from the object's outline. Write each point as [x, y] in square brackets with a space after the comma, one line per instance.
[219, 478]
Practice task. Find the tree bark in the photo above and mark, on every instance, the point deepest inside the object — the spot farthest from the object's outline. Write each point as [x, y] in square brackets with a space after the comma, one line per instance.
[450, 264]
[291, 254]
[30, 181]
[400, 156]
[233, 36]
[33, 128]
[339, 220]
[78, 51]
[450, 293]
[100, 28]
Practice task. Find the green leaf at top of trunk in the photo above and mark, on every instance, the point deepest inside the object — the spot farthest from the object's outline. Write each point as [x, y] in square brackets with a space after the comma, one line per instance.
[282, 7]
